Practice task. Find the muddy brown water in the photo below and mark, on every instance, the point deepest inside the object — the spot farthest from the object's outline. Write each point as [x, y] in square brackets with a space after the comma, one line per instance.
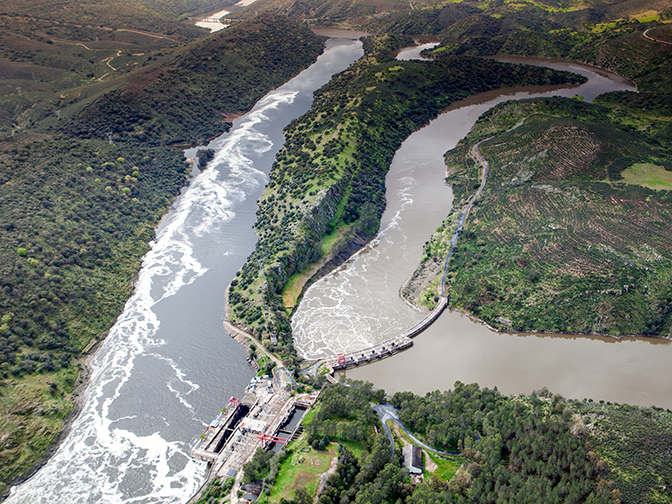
[358, 304]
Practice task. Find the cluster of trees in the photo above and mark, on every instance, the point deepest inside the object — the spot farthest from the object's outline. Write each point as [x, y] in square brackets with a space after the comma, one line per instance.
[76, 220]
[537, 448]
[345, 413]
[516, 449]
[216, 491]
[634, 442]
[530, 449]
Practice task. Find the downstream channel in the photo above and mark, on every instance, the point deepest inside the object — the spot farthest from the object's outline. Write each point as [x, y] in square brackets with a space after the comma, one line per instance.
[358, 305]
[167, 366]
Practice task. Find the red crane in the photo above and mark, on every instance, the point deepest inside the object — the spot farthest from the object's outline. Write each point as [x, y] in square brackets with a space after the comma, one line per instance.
[274, 439]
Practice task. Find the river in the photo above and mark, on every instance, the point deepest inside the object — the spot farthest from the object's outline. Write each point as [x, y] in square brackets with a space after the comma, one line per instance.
[358, 305]
[167, 366]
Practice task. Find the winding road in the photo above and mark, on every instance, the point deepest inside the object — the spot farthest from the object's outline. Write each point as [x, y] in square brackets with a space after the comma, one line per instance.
[649, 37]
[463, 216]
[387, 412]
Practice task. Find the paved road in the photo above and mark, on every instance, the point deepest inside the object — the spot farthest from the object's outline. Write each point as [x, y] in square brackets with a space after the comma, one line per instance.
[384, 417]
[463, 216]
[647, 36]
[387, 412]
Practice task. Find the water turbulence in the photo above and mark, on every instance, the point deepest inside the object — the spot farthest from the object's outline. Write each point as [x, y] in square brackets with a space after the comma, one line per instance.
[456, 347]
[358, 305]
[167, 366]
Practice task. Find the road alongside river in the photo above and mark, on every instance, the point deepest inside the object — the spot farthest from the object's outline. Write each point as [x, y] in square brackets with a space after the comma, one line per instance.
[358, 306]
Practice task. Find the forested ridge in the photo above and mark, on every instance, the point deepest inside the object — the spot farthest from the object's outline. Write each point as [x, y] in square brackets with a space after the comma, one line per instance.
[517, 449]
[327, 186]
[79, 210]
[197, 95]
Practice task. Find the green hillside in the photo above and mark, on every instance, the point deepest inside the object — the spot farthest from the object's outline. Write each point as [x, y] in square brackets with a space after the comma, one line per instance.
[78, 212]
[568, 234]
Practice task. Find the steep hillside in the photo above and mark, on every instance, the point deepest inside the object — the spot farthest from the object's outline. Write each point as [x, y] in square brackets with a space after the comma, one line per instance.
[195, 96]
[606, 34]
[571, 232]
[327, 188]
[53, 57]
[77, 215]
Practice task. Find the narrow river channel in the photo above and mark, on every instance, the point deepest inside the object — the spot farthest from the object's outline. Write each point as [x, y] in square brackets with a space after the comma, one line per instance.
[358, 304]
[167, 366]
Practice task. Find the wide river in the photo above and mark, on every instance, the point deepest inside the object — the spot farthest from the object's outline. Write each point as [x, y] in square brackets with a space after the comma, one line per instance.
[358, 304]
[167, 367]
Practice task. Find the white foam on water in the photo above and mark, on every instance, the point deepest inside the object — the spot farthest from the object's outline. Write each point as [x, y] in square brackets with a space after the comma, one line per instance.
[344, 311]
[93, 461]
[357, 305]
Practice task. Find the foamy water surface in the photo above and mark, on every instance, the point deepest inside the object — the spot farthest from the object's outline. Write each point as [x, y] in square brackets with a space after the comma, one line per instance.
[358, 305]
[167, 366]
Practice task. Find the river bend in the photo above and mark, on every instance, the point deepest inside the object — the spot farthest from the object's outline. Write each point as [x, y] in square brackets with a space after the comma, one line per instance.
[358, 305]
[167, 366]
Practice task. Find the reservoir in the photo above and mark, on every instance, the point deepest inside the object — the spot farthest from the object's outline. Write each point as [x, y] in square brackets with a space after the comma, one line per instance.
[358, 304]
[168, 367]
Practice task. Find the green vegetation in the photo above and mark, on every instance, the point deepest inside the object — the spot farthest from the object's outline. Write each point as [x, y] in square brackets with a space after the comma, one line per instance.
[79, 211]
[330, 173]
[536, 448]
[215, 491]
[53, 59]
[447, 466]
[195, 96]
[608, 35]
[302, 469]
[632, 442]
[557, 240]
[648, 175]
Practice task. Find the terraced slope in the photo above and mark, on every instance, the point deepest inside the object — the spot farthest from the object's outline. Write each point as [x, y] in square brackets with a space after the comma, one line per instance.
[560, 240]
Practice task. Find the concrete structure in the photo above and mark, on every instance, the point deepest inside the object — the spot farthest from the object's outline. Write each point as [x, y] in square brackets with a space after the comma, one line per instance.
[412, 459]
[388, 347]
[243, 426]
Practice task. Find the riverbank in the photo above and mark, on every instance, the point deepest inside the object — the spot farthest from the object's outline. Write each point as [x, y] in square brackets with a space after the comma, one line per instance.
[574, 289]
[330, 174]
[86, 275]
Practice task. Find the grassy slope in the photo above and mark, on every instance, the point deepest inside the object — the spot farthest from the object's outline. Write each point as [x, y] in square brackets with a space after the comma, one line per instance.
[84, 211]
[330, 173]
[557, 241]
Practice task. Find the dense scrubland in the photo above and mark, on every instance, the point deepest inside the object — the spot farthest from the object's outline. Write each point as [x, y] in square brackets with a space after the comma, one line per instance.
[327, 186]
[79, 207]
[78, 212]
[562, 237]
[536, 448]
